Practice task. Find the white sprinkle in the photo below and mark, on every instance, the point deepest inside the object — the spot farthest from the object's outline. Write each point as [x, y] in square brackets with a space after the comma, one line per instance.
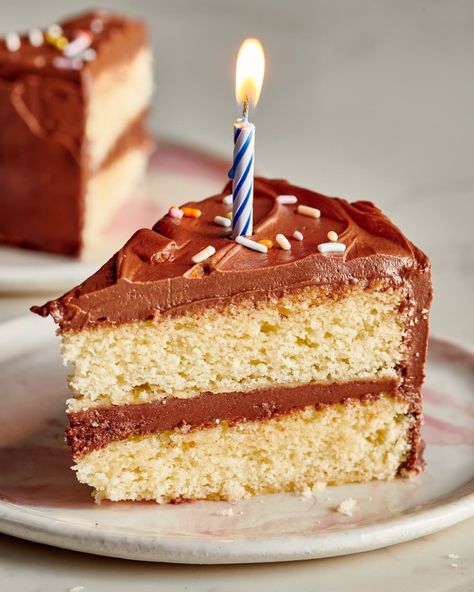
[12, 41]
[250, 244]
[309, 211]
[95, 424]
[35, 37]
[298, 235]
[332, 236]
[346, 506]
[287, 199]
[331, 247]
[89, 55]
[97, 25]
[453, 556]
[77, 45]
[76, 589]
[227, 199]
[283, 242]
[222, 221]
[455, 565]
[55, 30]
[204, 254]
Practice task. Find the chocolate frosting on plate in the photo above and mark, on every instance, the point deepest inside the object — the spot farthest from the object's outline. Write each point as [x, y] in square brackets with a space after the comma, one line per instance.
[153, 273]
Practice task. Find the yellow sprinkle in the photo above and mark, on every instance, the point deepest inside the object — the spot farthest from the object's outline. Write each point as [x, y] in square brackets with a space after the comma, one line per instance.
[191, 212]
[61, 42]
[283, 242]
[309, 211]
[58, 42]
[229, 215]
[332, 236]
[267, 242]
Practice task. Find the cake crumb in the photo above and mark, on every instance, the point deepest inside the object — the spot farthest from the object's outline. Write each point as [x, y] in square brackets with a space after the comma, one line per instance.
[227, 512]
[310, 491]
[347, 506]
[453, 556]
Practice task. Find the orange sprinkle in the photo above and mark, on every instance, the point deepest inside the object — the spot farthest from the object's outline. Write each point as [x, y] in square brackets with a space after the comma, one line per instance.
[229, 215]
[191, 212]
[267, 242]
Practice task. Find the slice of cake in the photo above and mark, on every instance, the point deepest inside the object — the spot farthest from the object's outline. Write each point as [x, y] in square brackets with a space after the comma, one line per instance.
[248, 372]
[73, 106]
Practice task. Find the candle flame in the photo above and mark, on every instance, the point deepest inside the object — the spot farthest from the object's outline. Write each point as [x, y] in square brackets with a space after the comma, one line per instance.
[249, 72]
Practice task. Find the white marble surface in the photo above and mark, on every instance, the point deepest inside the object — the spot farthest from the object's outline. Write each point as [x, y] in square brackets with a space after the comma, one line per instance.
[363, 98]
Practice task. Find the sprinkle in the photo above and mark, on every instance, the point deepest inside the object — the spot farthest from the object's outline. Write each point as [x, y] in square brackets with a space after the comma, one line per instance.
[228, 199]
[331, 247]
[191, 212]
[59, 42]
[283, 242]
[66, 63]
[97, 25]
[453, 556]
[54, 30]
[175, 213]
[222, 221]
[89, 55]
[204, 254]
[455, 565]
[12, 41]
[78, 44]
[309, 211]
[287, 199]
[35, 37]
[267, 242]
[250, 244]
[332, 236]
[229, 215]
[347, 506]
[298, 235]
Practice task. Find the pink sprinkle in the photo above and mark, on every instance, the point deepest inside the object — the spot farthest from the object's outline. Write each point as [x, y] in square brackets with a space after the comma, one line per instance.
[287, 199]
[66, 63]
[297, 235]
[175, 213]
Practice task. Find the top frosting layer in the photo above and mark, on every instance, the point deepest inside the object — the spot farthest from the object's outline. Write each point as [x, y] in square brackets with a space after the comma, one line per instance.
[153, 273]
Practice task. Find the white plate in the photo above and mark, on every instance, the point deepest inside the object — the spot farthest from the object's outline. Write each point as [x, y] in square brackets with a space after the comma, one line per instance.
[42, 502]
[176, 174]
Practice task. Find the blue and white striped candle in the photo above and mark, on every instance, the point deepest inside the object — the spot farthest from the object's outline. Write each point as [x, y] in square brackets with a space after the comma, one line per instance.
[242, 178]
[248, 83]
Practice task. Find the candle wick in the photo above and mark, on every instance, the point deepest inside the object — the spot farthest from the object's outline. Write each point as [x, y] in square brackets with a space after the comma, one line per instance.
[245, 110]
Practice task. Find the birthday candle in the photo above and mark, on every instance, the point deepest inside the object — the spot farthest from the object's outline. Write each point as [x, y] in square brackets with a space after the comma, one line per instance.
[242, 178]
[249, 78]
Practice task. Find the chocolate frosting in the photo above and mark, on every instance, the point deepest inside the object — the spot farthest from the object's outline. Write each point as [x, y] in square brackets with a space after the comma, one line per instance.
[153, 273]
[95, 428]
[43, 150]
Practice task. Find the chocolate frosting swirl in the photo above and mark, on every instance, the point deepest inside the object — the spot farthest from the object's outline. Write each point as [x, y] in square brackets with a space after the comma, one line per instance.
[153, 273]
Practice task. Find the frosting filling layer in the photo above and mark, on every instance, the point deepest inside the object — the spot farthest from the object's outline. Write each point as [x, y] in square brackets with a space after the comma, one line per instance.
[95, 428]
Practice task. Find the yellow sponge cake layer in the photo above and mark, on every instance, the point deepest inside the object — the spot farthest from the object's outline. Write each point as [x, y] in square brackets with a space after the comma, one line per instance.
[310, 336]
[351, 442]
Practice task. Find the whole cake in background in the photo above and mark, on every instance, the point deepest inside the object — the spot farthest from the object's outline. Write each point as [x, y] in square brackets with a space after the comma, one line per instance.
[74, 100]
[207, 369]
